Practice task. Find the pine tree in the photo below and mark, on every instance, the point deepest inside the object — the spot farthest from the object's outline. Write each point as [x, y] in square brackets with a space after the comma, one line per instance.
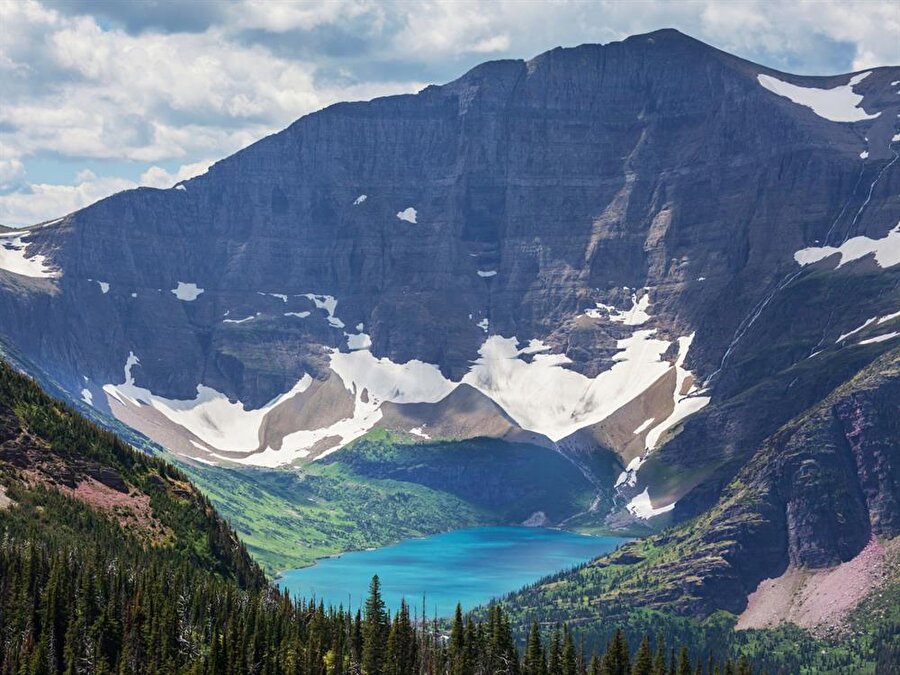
[582, 661]
[643, 660]
[401, 654]
[684, 661]
[375, 629]
[617, 655]
[534, 652]
[356, 643]
[554, 657]
[456, 649]
[569, 661]
[659, 661]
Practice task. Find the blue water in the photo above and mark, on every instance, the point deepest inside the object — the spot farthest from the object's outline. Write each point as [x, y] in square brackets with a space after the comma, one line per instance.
[467, 566]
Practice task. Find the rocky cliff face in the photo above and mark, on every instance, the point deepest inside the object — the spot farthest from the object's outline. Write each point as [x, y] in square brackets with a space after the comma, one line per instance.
[640, 247]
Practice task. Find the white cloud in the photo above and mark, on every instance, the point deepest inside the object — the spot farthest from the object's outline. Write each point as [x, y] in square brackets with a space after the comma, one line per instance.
[158, 177]
[12, 173]
[76, 90]
[152, 96]
[279, 16]
[799, 33]
[45, 201]
[41, 201]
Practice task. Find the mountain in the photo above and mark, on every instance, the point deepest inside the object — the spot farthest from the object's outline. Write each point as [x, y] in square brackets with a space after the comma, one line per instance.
[648, 257]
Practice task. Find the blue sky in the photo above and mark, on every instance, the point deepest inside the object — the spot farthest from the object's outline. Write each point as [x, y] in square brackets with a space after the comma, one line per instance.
[98, 96]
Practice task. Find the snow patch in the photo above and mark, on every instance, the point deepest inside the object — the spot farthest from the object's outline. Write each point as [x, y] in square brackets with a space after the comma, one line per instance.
[104, 287]
[181, 187]
[299, 315]
[644, 426]
[359, 200]
[534, 347]
[487, 274]
[545, 397]
[417, 431]
[210, 416]
[187, 292]
[635, 316]
[864, 154]
[87, 396]
[879, 338]
[371, 381]
[201, 460]
[244, 320]
[838, 104]
[408, 214]
[329, 304]
[14, 257]
[411, 382]
[642, 507]
[484, 325]
[886, 250]
[867, 323]
[685, 404]
[629, 475]
[358, 341]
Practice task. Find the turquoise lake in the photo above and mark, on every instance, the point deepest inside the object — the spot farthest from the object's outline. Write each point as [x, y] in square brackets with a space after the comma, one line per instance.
[467, 566]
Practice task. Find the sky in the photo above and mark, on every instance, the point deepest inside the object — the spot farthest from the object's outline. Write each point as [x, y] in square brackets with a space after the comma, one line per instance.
[98, 96]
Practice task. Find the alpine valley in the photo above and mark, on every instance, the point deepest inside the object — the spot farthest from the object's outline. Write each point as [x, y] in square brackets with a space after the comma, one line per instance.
[645, 289]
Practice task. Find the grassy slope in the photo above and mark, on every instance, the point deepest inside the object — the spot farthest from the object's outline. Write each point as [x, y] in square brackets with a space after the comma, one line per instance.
[289, 519]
